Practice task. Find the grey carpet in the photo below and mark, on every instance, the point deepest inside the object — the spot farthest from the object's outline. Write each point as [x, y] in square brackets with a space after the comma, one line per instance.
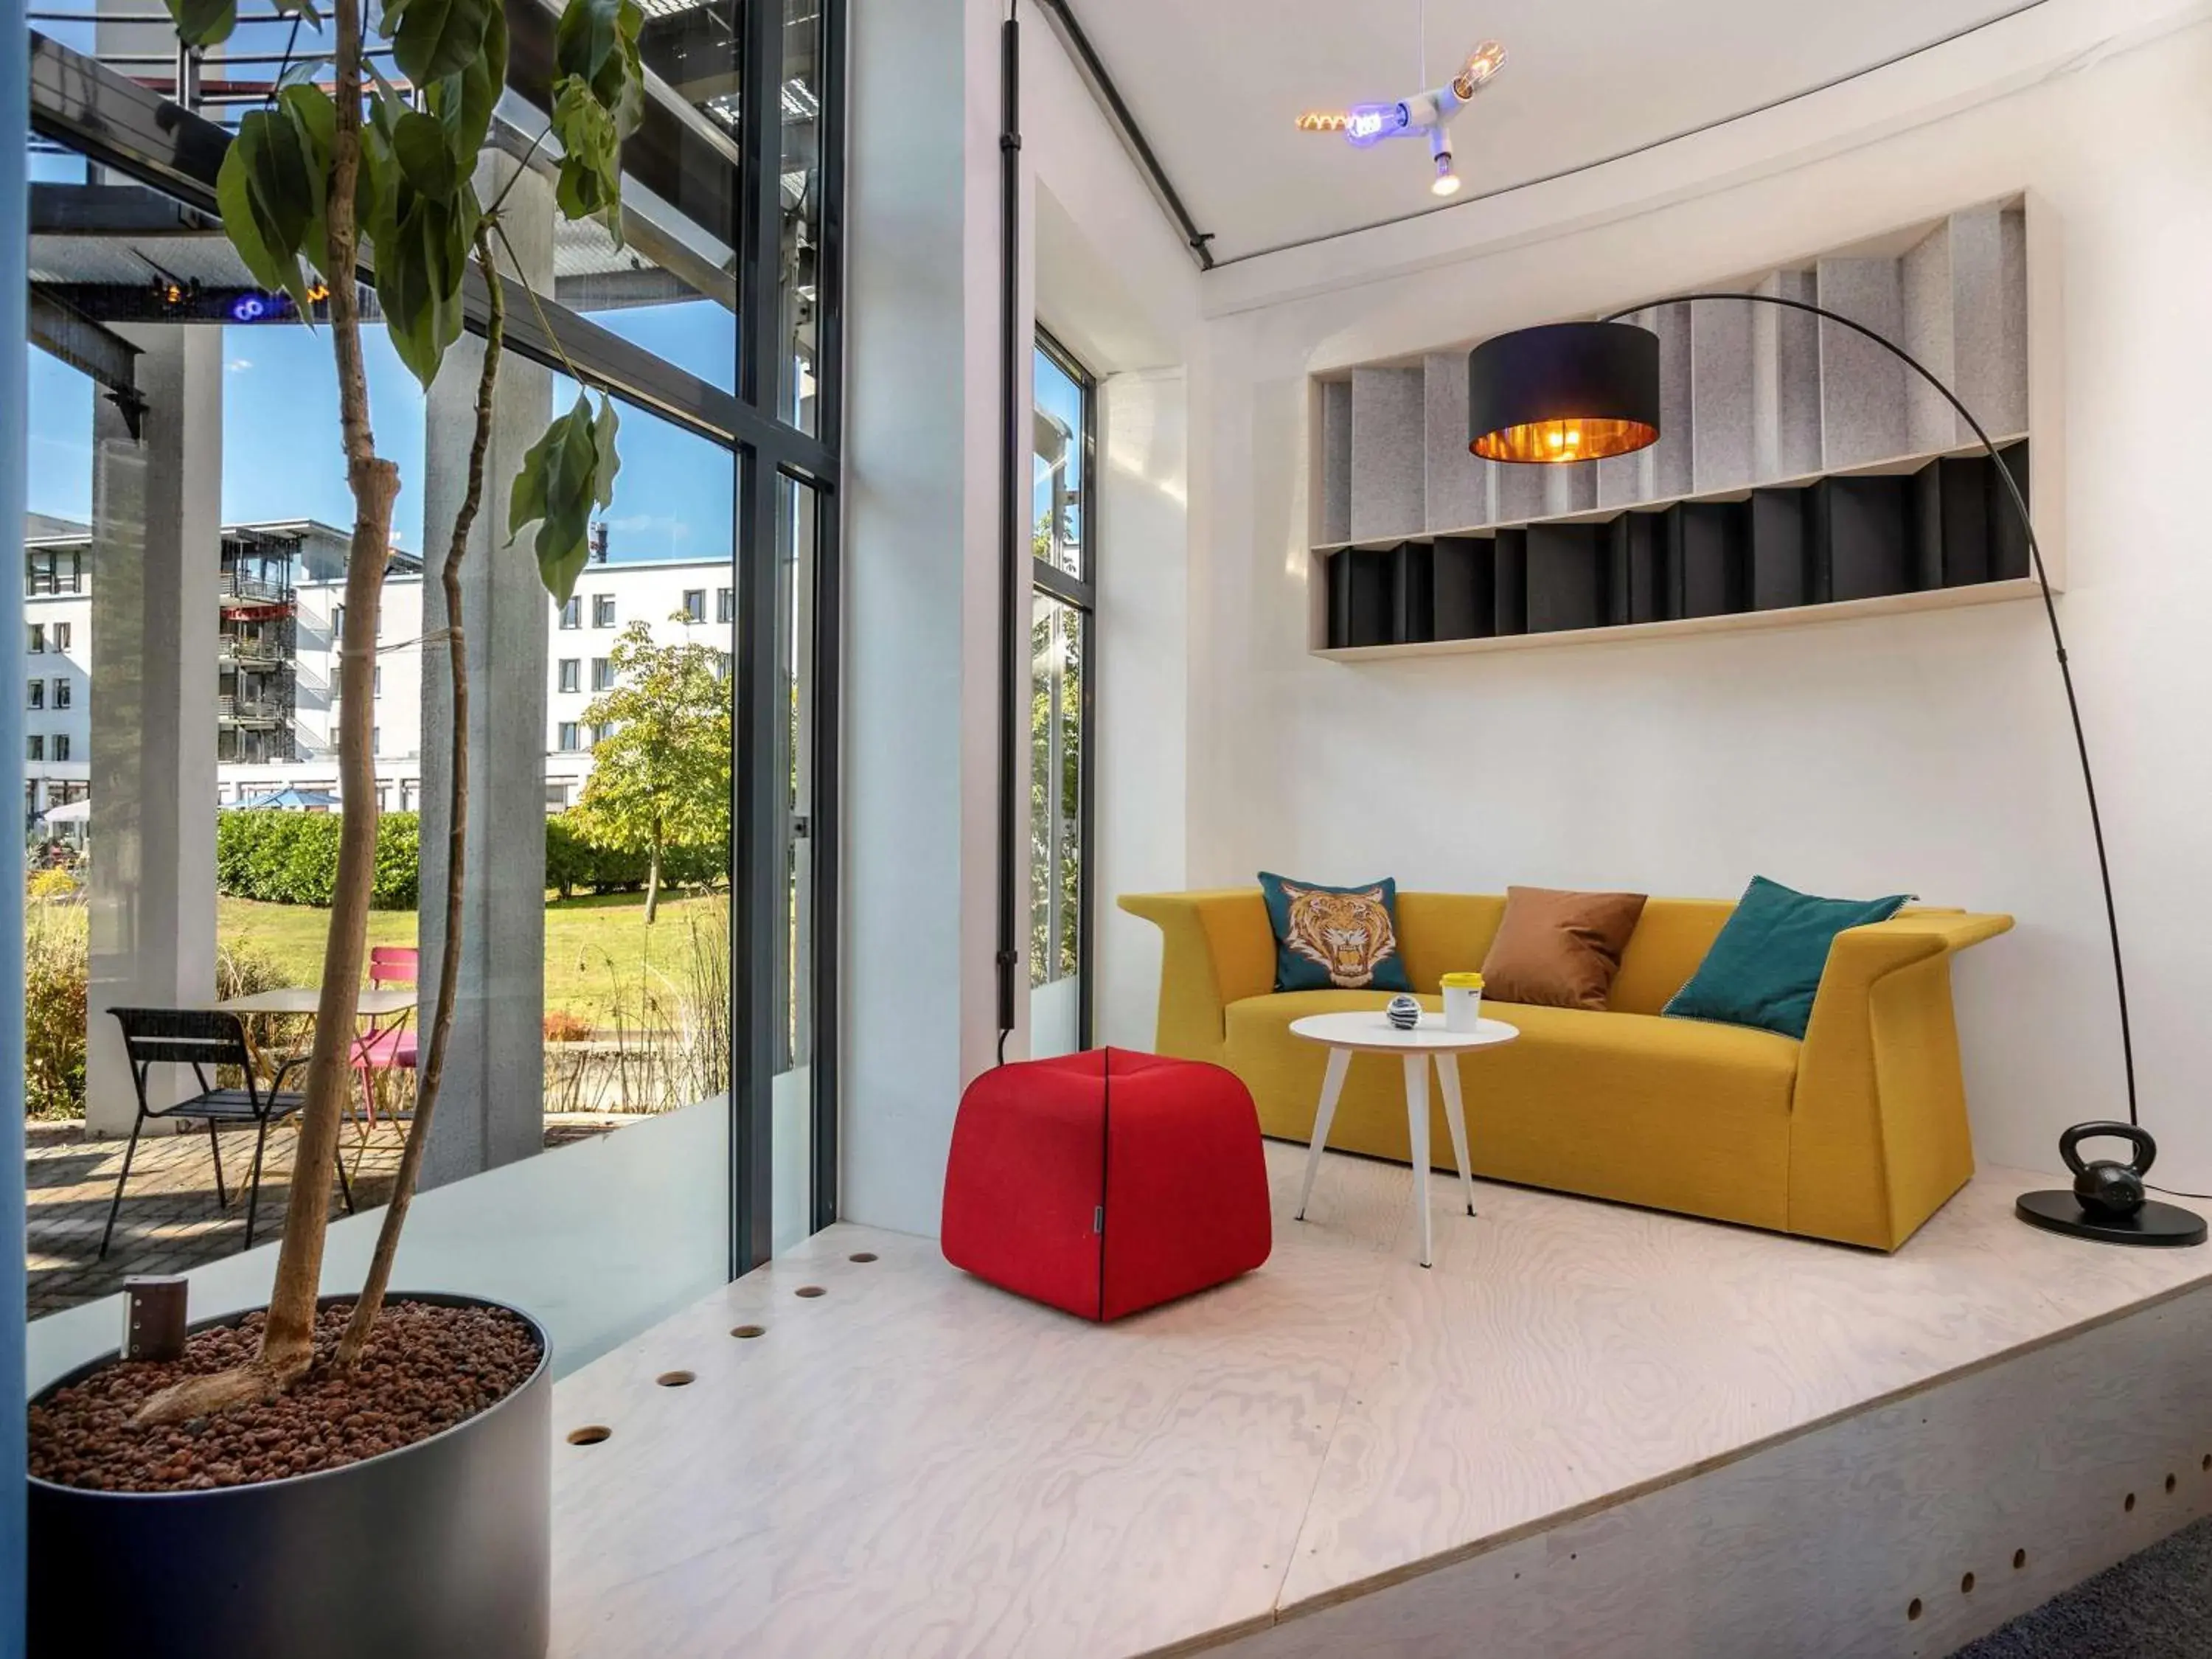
[2156, 1604]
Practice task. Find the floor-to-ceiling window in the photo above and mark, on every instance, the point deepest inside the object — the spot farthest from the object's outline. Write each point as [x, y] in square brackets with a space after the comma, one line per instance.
[665, 967]
[1062, 690]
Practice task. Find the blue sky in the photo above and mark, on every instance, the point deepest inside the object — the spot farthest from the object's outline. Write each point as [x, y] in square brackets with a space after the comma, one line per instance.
[674, 498]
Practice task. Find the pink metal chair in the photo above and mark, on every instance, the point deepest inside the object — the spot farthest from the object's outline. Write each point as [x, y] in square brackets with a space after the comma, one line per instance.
[393, 1048]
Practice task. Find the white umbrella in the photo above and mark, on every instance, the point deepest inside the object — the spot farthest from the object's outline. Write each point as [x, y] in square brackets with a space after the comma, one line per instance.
[69, 811]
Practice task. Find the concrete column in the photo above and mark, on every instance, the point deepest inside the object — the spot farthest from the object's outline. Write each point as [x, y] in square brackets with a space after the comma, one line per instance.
[492, 1106]
[156, 557]
[922, 653]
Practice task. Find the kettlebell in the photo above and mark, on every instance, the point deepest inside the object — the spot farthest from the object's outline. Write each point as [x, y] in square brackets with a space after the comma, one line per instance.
[2108, 1189]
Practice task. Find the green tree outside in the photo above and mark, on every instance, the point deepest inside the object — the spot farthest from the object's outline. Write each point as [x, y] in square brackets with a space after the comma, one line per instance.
[660, 765]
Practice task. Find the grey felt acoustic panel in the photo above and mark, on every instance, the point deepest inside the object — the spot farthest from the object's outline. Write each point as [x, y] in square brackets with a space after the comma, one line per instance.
[1751, 396]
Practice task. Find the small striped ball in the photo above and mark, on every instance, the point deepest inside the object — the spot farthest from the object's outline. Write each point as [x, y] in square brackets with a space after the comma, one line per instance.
[1403, 1012]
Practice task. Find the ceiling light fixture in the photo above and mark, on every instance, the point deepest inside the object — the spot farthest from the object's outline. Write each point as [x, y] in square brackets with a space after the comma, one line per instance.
[1425, 114]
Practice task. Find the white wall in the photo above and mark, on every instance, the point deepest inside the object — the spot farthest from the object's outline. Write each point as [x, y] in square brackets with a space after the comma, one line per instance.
[1114, 284]
[1929, 752]
[922, 647]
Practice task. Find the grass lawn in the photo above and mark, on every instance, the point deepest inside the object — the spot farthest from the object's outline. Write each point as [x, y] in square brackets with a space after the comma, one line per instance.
[593, 942]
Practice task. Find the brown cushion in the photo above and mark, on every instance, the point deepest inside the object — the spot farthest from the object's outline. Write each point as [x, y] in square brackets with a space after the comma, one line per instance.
[1561, 950]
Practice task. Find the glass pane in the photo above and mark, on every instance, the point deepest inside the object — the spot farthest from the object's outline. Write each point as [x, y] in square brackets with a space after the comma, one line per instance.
[187, 582]
[798, 518]
[1061, 468]
[1058, 650]
[797, 280]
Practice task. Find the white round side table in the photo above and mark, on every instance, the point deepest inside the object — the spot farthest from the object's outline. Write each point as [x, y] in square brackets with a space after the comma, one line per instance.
[1367, 1031]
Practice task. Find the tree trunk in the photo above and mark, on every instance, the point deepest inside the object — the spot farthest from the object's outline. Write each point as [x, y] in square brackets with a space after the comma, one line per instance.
[449, 961]
[653, 882]
[288, 1339]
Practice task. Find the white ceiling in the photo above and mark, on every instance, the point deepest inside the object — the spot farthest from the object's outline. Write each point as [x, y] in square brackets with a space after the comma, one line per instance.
[1216, 84]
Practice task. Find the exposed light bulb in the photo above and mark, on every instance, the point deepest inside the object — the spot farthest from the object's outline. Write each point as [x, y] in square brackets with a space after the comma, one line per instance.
[1447, 181]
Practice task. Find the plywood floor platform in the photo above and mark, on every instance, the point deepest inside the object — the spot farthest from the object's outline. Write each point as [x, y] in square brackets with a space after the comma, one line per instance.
[911, 1462]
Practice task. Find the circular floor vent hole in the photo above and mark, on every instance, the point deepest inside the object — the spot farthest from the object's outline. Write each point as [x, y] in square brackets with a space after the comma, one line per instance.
[863, 1255]
[2170, 1483]
[1966, 1585]
[1912, 1608]
[2019, 1559]
[2130, 1506]
[589, 1436]
[676, 1379]
[748, 1331]
[811, 1291]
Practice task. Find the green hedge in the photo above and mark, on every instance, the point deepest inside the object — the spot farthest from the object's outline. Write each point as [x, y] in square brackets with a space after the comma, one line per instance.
[291, 858]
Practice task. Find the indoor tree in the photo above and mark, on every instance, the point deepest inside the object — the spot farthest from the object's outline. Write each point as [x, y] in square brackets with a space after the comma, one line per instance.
[660, 765]
[342, 165]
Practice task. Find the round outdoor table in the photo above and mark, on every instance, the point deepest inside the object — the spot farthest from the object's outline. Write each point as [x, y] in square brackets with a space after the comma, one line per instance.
[1369, 1031]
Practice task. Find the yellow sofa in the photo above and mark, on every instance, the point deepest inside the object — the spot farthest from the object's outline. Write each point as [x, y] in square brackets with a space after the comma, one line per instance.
[1858, 1133]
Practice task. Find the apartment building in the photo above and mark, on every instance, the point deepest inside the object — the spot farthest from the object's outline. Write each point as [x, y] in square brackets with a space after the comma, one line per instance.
[281, 609]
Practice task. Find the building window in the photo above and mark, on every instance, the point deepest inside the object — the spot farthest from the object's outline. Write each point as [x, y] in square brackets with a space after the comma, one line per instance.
[38, 637]
[376, 681]
[695, 605]
[572, 612]
[603, 674]
[572, 674]
[603, 611]
[61, 636]
[722, 662]
[37, 694]
[64, 691]
[337, 626]
[726, 604]
[375, 740]
[557, 797]
[37, 746]
[61, 745]
[1062, 644]
[570, 740]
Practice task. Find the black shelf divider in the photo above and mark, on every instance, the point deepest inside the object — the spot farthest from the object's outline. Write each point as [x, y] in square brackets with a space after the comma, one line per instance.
[1842, 538]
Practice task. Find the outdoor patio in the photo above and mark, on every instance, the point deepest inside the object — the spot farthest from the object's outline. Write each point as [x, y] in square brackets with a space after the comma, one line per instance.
[170, 1222]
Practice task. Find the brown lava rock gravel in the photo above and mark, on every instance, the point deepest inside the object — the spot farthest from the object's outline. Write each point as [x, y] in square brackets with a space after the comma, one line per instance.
[427, 1367]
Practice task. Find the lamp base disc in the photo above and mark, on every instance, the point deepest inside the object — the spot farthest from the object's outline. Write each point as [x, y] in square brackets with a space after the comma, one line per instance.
[2155, 1223]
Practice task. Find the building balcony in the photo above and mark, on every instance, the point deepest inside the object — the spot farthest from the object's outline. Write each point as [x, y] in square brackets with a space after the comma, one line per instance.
[250, 653]
[238, 591]
[250, 711]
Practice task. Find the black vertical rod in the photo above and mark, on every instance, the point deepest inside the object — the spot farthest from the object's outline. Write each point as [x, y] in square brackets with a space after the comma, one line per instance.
[2050, 612]
[1013, 558]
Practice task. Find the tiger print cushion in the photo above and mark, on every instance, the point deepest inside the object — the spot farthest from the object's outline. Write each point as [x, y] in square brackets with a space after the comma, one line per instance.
[1335, 939]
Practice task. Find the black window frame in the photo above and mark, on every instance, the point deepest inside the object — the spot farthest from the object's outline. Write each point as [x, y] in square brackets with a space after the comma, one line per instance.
[112, 121]
[572, 612]
[567, 675]
[604, 610]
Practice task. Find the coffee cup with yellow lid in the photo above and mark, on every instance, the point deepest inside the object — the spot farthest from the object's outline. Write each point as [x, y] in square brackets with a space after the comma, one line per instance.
[1462, 1001]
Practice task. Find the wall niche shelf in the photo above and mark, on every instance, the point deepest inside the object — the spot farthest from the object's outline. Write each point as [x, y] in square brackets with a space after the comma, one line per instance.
[1804, 474]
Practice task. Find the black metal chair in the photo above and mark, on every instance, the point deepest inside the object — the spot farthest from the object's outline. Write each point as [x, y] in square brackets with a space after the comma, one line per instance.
[207, 1041]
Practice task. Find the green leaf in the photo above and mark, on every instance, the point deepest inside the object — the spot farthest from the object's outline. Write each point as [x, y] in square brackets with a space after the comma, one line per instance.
[270, 187]
[422, 145]
[203, 22]
[463, 102]
[567, 473]
[314, 121]
[608, 463]
[591, 162]
[233, 195]
[589, 35]
[420, 263]
[437, 38]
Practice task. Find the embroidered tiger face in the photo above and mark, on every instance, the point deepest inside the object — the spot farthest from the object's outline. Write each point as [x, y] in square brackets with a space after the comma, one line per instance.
[1349, 934]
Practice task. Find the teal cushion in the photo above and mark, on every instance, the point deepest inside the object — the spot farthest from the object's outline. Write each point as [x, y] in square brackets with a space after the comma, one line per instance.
[1335, 939]
[1766, 966]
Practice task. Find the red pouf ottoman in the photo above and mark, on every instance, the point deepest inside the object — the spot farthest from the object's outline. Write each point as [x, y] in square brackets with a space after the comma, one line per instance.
[1106, 1182]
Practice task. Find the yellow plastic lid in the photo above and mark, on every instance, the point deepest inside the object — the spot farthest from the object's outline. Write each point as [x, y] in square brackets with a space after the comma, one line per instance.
[1462, 981]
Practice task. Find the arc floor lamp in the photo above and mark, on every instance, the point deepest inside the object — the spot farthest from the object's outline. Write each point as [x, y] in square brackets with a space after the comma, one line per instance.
[1568, 393]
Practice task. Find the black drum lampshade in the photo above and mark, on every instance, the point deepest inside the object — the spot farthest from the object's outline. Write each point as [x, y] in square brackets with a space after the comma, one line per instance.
[1565, 391]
